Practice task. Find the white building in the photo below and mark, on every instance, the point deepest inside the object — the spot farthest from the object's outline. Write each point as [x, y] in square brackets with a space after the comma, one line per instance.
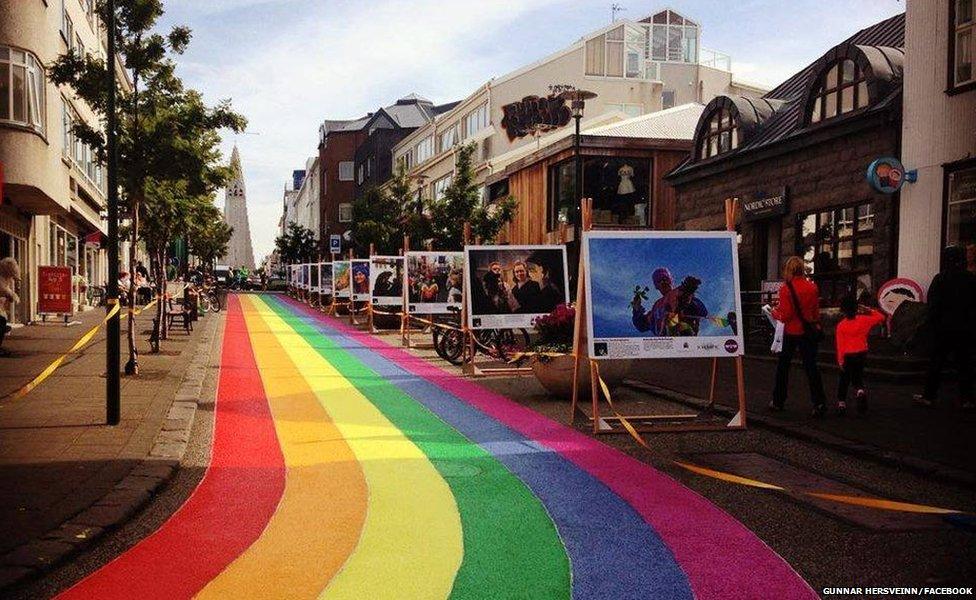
[938, 134]
[239, 252]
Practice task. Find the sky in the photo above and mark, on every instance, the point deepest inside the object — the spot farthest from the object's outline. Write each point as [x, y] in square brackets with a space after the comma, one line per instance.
[287, 65]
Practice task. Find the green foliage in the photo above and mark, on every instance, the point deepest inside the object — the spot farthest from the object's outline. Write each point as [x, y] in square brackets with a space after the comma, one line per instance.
[462, 202]
[209, 236]
[297, 245]
[374, 222]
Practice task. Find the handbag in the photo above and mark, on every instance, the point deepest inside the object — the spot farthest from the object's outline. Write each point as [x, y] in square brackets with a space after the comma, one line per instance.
[812, 331]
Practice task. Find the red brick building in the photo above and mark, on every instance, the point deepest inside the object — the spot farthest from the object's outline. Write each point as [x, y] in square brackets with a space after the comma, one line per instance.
[338, 141]
[797, 158]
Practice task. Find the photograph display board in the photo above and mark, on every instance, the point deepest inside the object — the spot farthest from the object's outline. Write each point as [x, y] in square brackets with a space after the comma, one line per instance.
[662, 294]
[341, 279]
[434, 281]
[305, 276]
[325, 278]
[386, 280]
[360, 280]
[313, 284]
[509, 286]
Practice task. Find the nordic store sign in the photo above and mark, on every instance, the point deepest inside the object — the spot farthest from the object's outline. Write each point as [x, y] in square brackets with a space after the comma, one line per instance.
[762, 206]
[522, 118]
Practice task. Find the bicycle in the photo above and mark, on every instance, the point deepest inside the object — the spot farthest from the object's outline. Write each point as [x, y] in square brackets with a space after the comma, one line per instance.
[499, 344]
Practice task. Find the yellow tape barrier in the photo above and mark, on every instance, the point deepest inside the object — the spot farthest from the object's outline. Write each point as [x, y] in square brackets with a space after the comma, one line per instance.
[867, 502]
[82, 341]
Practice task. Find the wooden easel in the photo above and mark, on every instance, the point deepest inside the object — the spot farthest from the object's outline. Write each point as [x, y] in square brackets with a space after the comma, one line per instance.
[642, 423]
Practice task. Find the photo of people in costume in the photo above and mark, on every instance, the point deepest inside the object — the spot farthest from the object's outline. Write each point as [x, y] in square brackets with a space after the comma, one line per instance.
[360, 280]
[512, 285]
[434, 282]
[386, 280]
[341, 279]
[325, 278]
[653, 294]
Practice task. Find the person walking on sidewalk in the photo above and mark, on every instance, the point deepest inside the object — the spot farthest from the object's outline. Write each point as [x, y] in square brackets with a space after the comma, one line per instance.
[9, 275]
[799, 310]
[952, 320]
[852, 350]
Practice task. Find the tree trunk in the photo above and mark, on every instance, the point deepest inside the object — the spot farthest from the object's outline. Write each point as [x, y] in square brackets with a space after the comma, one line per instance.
[161, 284]
[159, 329]
[132, 366]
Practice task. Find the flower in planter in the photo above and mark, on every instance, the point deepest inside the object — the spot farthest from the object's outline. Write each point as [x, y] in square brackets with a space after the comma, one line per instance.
[555, 332]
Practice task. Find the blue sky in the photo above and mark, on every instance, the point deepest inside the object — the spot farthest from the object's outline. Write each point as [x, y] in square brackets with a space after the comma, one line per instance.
[618, 265]
[289, 64]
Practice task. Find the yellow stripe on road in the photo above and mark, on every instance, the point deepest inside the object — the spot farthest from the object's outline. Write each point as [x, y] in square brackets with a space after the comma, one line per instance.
[411, 545]
[319, 520]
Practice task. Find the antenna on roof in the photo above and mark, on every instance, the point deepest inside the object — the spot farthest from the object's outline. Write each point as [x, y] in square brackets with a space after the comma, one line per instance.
[614, 9]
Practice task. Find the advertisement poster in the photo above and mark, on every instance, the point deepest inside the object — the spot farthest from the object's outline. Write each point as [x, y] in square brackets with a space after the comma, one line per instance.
[325, 278]
[54, 290]
[306, 276]
[313, 284]
[662, 294]
[386, 280]
[360, 280]
[512, 285]
[434, 281]
[341, 279]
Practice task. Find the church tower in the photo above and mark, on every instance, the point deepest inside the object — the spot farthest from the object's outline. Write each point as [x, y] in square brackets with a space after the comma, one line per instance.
[239, 252]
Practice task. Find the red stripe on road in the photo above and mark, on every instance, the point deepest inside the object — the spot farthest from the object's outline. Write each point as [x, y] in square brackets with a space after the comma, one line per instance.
[230, 507]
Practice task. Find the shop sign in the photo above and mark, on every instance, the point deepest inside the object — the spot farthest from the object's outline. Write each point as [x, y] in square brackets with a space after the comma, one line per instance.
[94, 240]
[896, 291]
[887, 175]
[54, 290]
[765, 207]
[521, 117]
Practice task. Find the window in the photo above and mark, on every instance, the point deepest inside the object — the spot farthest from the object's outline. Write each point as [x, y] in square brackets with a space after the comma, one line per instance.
[346, 170]
[448, 139]
[424, 149]
[345, 213]
[628, 51]
[79, 47]
[963, 44]
[631, 110]
[722, 134]
[961, 207]
[619, 186]
[67, 135]
[476, 120]
[667, 99]
[22, 87]
[672, 38]
[441, 185]
[842, 89]
[837, 246]
[67, 28]
[359, 175]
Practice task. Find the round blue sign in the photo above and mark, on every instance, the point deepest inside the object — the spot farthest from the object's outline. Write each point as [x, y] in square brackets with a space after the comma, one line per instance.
[886, 175]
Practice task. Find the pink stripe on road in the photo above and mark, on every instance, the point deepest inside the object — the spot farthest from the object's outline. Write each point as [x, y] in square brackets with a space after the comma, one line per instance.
[721, 557]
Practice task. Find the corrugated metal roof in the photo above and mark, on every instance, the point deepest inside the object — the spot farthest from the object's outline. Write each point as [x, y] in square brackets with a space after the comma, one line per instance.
[676, 123]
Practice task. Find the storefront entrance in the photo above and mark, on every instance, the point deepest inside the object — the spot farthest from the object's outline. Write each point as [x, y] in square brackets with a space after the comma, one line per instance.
[15, 247]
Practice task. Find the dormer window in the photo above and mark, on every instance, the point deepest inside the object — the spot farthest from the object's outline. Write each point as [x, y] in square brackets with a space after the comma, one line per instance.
[842, 88]
[721, 135]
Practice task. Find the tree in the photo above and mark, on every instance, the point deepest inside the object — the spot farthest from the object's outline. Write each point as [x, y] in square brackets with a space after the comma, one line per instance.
[411, 215]
[374, 221]
[165, 132]
[297, 245]
[462, 202]
[209, 236]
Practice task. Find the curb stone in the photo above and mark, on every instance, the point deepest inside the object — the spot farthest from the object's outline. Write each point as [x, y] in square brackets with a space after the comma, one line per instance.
[130, 494]
[890, 458]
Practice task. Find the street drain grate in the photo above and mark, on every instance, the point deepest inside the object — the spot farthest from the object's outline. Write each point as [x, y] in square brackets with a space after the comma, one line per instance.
[450, 468]
[797, 481]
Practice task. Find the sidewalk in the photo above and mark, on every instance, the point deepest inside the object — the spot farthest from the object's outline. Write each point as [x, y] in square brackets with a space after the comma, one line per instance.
[57, 457]
[943, 434]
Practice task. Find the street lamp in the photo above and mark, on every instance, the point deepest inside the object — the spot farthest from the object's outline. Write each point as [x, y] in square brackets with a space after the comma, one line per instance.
[577, 99]
[113, 401]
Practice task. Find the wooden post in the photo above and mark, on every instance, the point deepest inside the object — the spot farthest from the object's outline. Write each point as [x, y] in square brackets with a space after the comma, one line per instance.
[731, 209]
[467, 354]
[369, 303]
[404, 316]
[352, 304]
[586, 205]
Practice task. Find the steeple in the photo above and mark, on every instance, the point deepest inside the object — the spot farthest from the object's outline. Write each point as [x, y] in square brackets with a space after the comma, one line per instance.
[239, 252]
[235, 164]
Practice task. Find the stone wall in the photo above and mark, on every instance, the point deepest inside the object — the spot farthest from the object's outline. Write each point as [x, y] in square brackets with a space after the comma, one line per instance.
[828, 174]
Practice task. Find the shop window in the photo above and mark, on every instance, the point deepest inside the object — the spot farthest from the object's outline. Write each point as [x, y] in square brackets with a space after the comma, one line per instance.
[721, 135]
[619, 186]
[837, 246]
[961, 207]
[22, 86]
[842, 88]
[962, 49]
